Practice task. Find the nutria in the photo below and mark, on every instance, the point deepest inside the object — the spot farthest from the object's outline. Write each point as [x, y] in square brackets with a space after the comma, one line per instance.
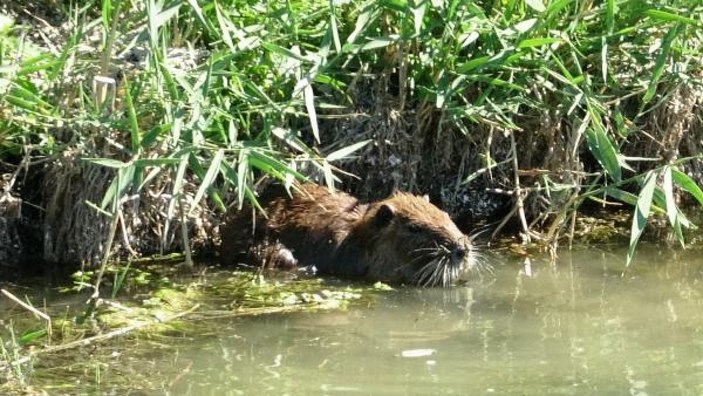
[401, 239]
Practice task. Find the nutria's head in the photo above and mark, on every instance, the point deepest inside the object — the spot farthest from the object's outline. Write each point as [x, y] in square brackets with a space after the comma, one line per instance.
[416, 243]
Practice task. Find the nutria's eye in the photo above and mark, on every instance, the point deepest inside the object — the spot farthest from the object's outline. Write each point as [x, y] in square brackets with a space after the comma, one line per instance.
[414, 227]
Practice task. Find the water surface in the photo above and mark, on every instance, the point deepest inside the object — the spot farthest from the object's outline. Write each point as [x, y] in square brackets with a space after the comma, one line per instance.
[578, 326]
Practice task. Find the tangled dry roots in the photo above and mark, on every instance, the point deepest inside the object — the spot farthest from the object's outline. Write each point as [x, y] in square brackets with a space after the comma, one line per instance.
[675, 125]
[74, 232]
[413, 149]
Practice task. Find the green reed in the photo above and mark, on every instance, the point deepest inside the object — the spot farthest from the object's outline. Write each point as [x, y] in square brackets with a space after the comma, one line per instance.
[578, 87]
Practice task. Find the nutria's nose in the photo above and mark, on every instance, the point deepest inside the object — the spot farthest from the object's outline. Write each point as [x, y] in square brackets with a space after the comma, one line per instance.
[458, 255]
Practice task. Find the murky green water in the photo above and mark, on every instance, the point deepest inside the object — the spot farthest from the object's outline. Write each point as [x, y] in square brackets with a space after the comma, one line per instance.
[577, 327]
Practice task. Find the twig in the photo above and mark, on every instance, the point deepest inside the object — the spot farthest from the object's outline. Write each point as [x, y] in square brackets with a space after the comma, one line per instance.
[184, 234]
[217, 315]
[572, 229]
[107, 55]
[518, 192]
[125, 236]
[30, 308]
[504, 222]
[558, 223]
[180, 375]
[93, 300]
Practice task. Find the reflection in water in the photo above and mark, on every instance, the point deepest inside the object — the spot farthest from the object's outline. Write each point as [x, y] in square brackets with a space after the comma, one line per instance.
[579, 326]
[576, 327]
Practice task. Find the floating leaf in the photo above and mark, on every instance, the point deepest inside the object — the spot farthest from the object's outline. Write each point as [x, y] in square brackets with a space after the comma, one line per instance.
[31, 336]
[415, 353]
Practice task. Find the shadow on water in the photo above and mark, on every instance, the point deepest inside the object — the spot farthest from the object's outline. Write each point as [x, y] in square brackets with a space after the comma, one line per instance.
[578, 326]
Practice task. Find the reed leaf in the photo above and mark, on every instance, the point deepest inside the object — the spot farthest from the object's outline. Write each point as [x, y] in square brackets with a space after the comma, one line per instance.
[642, 210]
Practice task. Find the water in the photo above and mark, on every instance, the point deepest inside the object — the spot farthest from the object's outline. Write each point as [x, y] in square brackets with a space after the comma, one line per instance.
[576, 327]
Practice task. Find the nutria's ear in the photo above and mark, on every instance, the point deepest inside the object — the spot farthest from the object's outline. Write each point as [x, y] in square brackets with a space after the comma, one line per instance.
[384, 214]
[426, 197]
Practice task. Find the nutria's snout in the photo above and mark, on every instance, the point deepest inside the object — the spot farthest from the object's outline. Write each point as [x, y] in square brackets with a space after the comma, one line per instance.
[445, 264]
[462, 255]
[459, 254]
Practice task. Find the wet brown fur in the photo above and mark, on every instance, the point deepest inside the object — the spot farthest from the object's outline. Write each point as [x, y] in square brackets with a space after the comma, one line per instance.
[389, 240]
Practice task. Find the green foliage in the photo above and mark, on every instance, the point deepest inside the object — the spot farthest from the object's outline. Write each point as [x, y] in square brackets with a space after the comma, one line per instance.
[249, 100]
[11, 358]
[23, 108]
[580, 63]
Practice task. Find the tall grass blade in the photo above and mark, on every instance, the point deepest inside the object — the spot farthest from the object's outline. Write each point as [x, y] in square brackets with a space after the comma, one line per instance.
[639, 221]
[208, 180]
[243, 176]
[538, 42]
[687, 184]
[672, 210]
[600, 145]
[199, 13]
[361, 23]
[670, 17]
[133, 123]
[346, 151]
[178, 184]
[224, 28]
[536, 5]
[107, 162]
[419, 16]
[660, 64]
[312, 114]
[333, 28]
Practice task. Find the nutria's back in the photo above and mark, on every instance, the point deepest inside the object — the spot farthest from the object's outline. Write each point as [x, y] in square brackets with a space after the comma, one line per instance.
[400, 239]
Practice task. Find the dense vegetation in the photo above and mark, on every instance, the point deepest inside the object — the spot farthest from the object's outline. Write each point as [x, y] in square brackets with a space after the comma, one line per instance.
[135, 123]
[132, 126]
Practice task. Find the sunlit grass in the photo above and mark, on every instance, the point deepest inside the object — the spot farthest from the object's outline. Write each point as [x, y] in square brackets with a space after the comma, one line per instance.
[198, 99]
